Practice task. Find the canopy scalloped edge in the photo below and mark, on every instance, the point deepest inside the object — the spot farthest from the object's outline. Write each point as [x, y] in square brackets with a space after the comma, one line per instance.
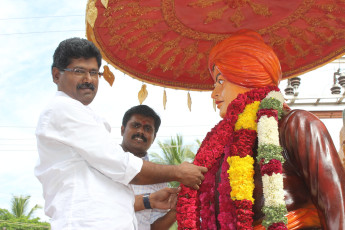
[170, 44]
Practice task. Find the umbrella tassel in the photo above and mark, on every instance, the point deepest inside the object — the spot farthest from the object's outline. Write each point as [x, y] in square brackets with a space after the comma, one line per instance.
[214, 105]
[164, 99]
[108, 75]
[189, 101]
[142, 94]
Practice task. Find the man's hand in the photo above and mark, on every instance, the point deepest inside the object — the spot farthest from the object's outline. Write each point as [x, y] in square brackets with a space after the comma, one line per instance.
[190, 175]
[165, 198]
[186, 173]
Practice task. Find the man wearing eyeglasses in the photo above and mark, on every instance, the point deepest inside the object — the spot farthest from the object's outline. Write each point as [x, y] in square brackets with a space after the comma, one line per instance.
[85, 176]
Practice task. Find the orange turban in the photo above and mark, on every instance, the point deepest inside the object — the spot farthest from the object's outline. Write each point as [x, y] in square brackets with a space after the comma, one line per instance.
[244, 59]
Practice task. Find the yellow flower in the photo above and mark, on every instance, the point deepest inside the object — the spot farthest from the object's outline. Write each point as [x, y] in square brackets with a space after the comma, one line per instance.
[241, 175]
[247, 119]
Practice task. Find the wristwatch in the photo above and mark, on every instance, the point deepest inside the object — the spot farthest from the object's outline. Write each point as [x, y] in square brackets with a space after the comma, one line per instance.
[146, 201]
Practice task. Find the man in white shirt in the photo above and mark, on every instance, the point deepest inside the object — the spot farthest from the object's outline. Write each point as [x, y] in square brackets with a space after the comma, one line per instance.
[139, 128]
[85, 176]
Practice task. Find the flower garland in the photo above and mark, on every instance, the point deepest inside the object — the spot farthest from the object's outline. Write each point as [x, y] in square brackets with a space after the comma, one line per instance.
[250, 115]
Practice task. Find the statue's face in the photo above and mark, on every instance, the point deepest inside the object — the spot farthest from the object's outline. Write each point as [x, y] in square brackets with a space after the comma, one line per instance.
[224, 91]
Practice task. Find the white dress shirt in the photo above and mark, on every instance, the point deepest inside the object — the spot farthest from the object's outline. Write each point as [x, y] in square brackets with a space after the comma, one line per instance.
[85, 175]
[147, 216]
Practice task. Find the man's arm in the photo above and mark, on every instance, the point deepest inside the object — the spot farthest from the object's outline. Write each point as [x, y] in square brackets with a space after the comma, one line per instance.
[165, 198]
[165, 222]
[70, 124]
[186, 173]
[139, 203]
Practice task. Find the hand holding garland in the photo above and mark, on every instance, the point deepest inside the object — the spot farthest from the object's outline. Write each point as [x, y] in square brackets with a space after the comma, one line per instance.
[186, 173]
[209, 152]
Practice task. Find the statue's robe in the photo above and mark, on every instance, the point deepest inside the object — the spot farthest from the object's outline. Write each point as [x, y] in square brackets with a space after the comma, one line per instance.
[314, 179]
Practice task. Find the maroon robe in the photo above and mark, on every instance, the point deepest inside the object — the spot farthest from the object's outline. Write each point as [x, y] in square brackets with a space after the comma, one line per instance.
[313, 173]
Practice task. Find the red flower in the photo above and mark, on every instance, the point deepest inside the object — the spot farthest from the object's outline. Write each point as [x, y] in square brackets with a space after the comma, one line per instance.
[191, 203]
[188, 223]
[268, 113]
[186, 209]
[243, 142]
[277, 226]
[273, 166]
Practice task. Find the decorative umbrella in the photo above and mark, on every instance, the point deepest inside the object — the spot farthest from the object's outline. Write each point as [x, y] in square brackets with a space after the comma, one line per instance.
[167, 42]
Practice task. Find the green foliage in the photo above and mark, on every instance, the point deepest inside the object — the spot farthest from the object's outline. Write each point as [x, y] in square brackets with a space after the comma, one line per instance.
[18, 218]
[199, 142]
[5, 214]
[269, 152]
[23, 224]
[272, 103]
[174, 226]
[274, 215]
[174, 153]
[19, 206]
[10, 222]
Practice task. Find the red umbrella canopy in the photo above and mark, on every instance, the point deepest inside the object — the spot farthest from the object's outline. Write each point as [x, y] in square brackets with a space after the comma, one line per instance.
[167, 42]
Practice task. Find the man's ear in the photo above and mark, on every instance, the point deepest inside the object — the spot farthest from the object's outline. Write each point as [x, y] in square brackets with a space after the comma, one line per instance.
[56, 75]
[122, 130]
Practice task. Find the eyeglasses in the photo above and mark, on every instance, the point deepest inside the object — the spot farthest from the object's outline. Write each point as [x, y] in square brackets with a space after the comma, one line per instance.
[82, 72]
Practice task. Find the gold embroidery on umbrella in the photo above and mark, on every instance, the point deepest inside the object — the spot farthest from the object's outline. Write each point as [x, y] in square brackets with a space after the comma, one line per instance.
[203, 3]
[215, 15]
[91, 13]
[145, 41]
[105, 3]
[168, 11]
[260, 9]
[196, 63]
[237, 17]
[137, 35]
[167, 46]
[189, 52]
[169, 64]
[297, 33]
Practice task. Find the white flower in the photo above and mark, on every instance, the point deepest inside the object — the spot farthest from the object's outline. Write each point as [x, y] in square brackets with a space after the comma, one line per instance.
[276, 95]
[268, 131]
[273, 189]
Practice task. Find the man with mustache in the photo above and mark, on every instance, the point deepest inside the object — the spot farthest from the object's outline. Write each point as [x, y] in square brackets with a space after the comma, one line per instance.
[139, 128]
[85, 175]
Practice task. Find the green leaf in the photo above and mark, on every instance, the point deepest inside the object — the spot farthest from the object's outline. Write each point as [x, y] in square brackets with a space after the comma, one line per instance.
[174, 152]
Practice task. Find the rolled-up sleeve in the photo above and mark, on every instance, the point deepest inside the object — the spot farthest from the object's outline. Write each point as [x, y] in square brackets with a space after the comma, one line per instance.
[85, 135]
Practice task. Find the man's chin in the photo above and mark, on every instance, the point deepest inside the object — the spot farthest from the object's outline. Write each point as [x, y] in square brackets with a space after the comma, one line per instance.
[87, 99]
[140, 154]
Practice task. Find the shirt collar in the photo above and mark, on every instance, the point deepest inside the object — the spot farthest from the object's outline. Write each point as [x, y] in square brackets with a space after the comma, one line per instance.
[146, 157]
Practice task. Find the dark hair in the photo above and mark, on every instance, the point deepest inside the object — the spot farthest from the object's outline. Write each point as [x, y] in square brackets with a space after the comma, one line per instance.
[75, 48]
[142, 110]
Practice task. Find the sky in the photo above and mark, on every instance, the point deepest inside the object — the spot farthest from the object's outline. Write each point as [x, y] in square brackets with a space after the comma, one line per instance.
[30, 32]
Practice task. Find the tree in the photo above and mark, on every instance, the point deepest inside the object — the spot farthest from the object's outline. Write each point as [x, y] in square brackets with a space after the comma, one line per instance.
[174, 153]
[18, 218]
[19, 206]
